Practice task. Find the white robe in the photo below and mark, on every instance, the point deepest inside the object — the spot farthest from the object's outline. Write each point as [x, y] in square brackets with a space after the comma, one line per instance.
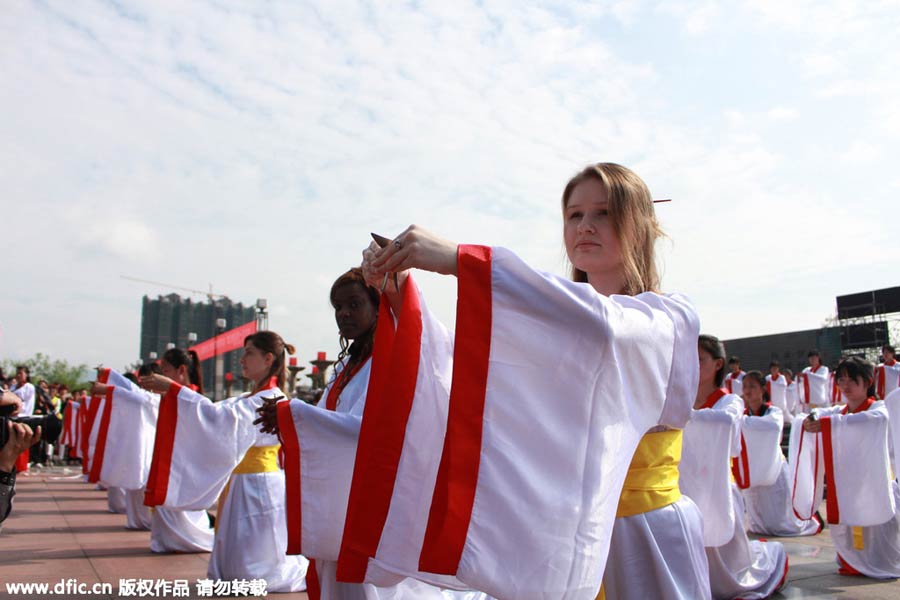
[115, 500]
[768, 497]
[851, 455]
[740, 568]
[320, 448]
[26, 394]
[777, 389]
[137, 514]
[552, 385]
[887, 379]
[792, 398]
[816, 386]
[734, 384]
[204, 442]
[126, 437]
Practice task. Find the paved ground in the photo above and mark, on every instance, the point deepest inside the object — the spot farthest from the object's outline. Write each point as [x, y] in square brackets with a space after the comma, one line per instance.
[60, 529]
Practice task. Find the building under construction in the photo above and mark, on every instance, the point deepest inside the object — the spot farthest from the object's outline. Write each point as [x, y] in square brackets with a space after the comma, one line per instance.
[172, 319]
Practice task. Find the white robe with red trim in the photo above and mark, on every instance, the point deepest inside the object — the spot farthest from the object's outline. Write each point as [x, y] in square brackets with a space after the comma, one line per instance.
[71, 431]
[705, 471]
[126, 431]
[326, 443]
[816, 386]
[768, 497]
[553, 384]
[892, 403]
[887, 379]
[792, 398]
[740, 568]
[777, 389]
[853, 461]
[207, 441]
[734, 384]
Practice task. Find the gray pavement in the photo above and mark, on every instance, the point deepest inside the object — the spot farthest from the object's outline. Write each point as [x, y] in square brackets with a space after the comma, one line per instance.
[60, 530]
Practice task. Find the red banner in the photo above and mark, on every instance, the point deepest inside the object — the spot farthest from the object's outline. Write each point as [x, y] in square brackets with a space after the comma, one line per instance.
[233, 339]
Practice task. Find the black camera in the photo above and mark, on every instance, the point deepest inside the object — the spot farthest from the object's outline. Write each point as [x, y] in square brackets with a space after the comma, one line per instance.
[50, 425]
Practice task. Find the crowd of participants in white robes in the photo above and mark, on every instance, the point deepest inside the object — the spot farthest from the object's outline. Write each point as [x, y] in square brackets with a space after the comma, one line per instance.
[417, 477]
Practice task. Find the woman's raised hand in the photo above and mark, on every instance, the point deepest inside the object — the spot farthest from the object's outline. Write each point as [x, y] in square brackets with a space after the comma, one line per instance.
[415, 248]
[154, 382]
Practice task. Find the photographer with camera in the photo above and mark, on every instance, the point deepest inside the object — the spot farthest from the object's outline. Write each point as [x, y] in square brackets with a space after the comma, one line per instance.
[20, 437]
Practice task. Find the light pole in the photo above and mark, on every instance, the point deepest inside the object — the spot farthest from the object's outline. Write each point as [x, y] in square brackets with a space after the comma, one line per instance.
[220, 362]
[262, 317]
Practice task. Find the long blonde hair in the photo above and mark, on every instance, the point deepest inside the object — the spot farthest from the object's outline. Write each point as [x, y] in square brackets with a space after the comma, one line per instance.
[634, 222]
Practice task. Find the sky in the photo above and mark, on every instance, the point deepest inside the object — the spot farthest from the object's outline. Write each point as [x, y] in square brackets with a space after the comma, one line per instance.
[253, 146]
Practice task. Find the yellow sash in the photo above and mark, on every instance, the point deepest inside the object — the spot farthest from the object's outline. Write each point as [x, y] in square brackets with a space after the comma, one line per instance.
[858, 543]
[652, 480]
[259, 459]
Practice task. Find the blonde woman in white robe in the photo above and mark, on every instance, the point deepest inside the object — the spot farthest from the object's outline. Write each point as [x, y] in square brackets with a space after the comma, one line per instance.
[654, 548]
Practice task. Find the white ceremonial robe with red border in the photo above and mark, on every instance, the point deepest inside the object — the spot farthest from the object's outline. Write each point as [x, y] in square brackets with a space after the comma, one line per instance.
[860, 490]
[777, 389]
[71, 431]
[760, 458]
[741, 568]
[887, 379]
[816, 386]
[705, 471]
[326, 443]
[768, 496]
[126, 435]
[792, 398]
[734, 383]
[524, 437]
[892, 403]
[199, 443]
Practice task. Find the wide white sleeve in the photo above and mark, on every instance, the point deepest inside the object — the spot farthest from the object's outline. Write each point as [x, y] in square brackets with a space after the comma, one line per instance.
[857, 467]
[761, 447]
[705, 474]
[552, 385]
[733, 406]
[130, 437]
[198, 445]
[892, 403]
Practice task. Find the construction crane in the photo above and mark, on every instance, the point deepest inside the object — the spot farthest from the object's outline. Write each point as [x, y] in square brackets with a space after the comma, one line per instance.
[210, 295]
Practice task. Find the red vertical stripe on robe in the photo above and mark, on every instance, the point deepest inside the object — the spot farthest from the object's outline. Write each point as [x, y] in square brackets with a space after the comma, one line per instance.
[102, 432]
[831, 500]
[454, 490]
[290, 446]
[389, 399]
[158, 478]
[93, 404]
[740, 466]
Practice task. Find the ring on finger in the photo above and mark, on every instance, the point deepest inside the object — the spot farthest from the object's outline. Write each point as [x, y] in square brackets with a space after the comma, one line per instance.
[398, 244]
